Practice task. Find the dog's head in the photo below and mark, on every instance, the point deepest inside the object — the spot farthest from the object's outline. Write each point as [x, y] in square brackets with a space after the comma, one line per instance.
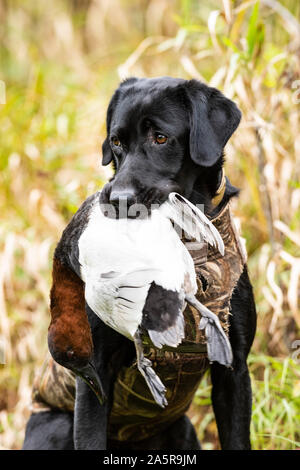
[163, 135]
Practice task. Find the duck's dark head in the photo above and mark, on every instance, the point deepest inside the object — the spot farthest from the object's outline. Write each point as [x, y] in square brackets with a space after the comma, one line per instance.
[75, 356]
[76, 360]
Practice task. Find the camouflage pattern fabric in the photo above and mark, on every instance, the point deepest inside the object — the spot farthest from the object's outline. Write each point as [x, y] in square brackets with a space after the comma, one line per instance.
[53, 387]
[135, 415]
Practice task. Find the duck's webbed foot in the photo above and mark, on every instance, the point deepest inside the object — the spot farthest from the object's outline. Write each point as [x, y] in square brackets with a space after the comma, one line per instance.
[144, 365]
[218, 345]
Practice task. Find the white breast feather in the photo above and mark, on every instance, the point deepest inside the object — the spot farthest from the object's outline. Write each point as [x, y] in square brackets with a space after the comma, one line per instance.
[120, 258]
[137, 252]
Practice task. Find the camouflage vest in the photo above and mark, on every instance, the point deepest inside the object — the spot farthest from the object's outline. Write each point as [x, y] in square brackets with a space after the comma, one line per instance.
[135, 415]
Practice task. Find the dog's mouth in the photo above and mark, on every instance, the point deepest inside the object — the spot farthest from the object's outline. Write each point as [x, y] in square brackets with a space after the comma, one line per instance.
[145, 202]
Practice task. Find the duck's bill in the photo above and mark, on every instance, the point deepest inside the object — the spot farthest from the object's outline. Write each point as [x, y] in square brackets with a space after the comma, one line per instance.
[89, 374]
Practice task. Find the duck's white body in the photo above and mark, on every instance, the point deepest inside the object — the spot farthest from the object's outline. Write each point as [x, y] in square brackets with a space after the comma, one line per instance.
[138, 275]
[131, 253]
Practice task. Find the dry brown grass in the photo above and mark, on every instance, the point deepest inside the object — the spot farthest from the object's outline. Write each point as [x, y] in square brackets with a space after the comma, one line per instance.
[60, 67]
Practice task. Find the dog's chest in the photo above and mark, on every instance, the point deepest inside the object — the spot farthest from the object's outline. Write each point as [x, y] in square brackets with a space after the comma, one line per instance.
[135, 415]
[180, 369]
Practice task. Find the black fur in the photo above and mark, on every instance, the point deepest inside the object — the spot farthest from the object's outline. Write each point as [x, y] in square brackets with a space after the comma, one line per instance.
[231, 393]
[67, 250]
[198, 121]
[49, 430]
[213, 120]
[111, 352]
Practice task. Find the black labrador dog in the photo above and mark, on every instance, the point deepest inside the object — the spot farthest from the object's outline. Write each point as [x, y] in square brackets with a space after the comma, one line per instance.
[163, 135]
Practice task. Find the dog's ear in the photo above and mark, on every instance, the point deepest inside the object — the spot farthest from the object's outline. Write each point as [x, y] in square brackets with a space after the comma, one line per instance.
[107, 154]
[213, 119]
[106, 149]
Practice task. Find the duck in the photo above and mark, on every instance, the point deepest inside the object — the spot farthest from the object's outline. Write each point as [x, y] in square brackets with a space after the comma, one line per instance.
[139, 277]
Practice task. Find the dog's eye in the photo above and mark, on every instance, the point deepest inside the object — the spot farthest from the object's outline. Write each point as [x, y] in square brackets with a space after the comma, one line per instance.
[115, 141]
[160, 139]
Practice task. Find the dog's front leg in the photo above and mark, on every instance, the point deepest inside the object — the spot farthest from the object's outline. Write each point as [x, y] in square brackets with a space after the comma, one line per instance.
[231, 393]
[111, 352]
[90, 416]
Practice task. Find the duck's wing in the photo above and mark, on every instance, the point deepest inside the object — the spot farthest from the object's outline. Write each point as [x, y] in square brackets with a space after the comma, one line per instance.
[132, 290]
[218, 345]
[192, 220]
[119, 298]
[171, 336]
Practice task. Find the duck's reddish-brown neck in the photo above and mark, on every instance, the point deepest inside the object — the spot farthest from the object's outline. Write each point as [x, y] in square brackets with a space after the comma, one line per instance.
[69, 331]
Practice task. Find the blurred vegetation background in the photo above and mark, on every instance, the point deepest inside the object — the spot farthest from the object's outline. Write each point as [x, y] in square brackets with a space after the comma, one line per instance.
[59, 64]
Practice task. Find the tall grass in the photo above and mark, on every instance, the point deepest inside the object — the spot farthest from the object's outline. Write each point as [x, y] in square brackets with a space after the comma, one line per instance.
[276, 405]
[60, 62]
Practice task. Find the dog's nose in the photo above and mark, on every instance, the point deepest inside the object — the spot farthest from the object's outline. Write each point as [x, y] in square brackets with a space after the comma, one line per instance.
[125, 198]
